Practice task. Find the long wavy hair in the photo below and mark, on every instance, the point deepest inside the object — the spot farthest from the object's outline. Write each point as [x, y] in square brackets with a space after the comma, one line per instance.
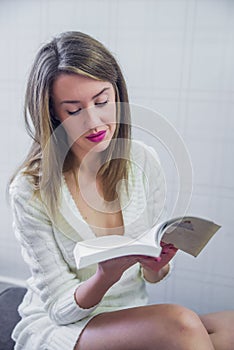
[77, 53]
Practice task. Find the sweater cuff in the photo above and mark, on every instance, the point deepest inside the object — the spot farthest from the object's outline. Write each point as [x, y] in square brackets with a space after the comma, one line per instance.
[66, 310]
[171, 266]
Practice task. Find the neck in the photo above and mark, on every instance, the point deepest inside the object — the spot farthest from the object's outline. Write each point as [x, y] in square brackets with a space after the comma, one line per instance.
[89, 164]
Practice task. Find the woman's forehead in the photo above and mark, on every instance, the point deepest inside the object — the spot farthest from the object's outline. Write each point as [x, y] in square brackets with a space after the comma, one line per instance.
[77, 87]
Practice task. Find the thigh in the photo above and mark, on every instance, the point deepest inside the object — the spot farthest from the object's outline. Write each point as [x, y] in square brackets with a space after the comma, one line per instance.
[218, 321]
[220, 326]
[149, 328]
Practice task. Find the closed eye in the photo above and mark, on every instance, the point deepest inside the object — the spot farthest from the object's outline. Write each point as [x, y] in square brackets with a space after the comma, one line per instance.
[74, 112]
[100, 104]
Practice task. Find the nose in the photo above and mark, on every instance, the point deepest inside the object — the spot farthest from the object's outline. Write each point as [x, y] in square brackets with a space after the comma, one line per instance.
[92, 118]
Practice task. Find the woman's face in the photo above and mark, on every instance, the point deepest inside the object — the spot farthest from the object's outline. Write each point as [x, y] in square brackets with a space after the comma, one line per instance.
[86, 108]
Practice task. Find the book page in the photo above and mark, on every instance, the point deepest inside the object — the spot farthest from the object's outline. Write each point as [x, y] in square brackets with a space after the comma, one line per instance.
[190, 234]
[108, 247]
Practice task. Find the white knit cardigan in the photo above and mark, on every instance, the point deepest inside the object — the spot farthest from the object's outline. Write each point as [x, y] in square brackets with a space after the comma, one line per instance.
[51, 318]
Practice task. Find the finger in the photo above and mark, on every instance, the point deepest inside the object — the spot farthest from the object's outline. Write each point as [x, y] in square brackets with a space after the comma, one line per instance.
[168, 245]
[150, 259]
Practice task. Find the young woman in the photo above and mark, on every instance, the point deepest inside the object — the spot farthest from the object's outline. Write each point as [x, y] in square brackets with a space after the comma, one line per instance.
[80, 180]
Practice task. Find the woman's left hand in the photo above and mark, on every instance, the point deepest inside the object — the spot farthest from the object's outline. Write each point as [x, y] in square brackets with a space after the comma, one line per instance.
[156, 264]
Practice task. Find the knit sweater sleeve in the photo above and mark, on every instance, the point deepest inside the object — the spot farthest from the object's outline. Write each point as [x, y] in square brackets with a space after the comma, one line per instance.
[156, 186]
[52, 279]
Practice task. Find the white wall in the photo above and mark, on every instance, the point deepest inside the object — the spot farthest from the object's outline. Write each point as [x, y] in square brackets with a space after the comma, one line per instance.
[177, 57]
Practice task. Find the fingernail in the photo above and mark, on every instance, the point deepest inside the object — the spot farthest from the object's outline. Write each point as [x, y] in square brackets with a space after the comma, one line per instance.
[158, 259]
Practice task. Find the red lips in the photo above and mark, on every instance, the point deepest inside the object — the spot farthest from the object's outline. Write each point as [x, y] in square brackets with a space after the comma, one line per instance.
[97, 137]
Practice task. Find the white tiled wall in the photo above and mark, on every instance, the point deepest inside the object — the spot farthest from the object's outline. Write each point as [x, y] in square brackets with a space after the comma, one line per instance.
[177, 56]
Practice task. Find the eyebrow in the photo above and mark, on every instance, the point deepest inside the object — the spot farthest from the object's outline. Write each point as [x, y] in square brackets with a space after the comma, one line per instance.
[77, 101]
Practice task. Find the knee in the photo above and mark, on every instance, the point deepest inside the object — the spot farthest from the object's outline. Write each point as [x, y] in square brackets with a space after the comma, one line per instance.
[182, 321]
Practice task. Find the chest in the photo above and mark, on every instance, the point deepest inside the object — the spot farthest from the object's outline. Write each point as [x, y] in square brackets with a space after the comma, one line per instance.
[103, 218]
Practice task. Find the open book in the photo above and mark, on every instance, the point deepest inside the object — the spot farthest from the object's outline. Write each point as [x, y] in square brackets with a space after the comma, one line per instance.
[188, 233]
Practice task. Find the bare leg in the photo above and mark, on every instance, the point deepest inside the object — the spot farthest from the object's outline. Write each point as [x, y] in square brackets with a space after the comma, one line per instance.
[220, 326]
[164, 327]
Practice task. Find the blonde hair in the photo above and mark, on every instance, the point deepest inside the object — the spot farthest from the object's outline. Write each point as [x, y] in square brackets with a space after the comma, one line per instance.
[76, 53]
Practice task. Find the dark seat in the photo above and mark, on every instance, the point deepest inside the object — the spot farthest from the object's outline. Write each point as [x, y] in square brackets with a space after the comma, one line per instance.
[10, 298]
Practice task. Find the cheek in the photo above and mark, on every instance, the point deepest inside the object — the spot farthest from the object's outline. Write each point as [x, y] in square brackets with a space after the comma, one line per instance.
[73, 128]
[109, 113]
[76, 126]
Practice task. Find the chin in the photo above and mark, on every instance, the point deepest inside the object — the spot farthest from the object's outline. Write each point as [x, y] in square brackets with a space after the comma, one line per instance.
[100, 147]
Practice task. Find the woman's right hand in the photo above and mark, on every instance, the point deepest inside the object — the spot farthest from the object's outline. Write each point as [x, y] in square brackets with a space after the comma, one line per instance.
[113, 269]
[91, 292]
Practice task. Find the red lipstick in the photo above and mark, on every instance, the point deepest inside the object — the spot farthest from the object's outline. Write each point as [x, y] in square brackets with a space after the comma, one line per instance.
[97, 137]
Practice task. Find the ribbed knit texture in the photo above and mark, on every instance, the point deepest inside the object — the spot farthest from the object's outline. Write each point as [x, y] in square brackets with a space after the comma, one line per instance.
[51, 319]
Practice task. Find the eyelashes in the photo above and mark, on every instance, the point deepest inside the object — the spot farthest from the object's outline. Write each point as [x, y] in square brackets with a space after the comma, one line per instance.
[74, 112]
[101, 103]
[77, 111]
